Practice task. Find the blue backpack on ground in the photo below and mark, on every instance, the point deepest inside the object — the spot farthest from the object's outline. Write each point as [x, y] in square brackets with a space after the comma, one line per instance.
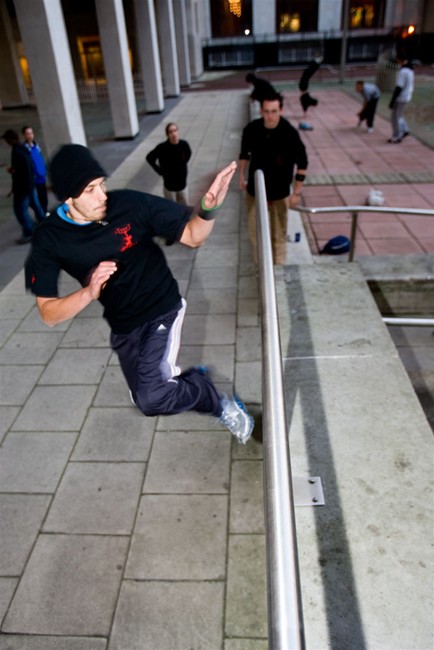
[336, 246]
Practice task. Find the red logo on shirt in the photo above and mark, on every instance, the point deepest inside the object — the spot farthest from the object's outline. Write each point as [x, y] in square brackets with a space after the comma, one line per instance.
[127, 240]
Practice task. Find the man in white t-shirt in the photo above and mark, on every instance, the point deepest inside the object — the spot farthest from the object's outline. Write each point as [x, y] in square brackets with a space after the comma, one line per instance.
[401, 97]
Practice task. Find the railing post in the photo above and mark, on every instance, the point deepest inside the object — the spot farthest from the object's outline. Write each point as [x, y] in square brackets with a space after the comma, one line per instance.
[285, 617]
[354, 217]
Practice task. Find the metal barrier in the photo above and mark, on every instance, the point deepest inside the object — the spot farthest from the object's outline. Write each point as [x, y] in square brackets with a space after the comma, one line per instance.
[411, 322]
[355, 209]
[285, 617]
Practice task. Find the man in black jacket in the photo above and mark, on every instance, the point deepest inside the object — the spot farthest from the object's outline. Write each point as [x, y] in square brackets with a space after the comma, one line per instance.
[169, 159]
[23, 186]
[274, 146]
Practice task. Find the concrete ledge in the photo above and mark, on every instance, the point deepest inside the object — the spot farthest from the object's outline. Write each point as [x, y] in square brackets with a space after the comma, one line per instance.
[354, 420]
[402, 285]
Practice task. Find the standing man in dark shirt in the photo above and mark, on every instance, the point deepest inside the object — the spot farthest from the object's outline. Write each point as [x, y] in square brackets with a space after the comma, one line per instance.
[105, 240]
[274, 146]
[23, 186]
[169, 159]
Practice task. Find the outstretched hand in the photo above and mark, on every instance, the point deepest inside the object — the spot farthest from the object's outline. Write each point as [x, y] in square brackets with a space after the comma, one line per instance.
[219, 187]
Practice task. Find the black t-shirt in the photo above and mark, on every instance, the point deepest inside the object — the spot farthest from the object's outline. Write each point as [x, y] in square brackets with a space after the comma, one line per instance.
[172, 163]
[143, 287]
[275, 151]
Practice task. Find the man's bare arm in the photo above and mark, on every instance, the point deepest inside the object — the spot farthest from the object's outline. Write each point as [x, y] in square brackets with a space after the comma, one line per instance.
[198, 228]
[56, 310]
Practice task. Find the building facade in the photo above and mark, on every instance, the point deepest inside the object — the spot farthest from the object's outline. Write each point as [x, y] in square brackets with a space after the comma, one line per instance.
[60, 53]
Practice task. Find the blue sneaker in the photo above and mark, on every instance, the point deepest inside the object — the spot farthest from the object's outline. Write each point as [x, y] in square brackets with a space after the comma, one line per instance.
[235, 417]
[202, 370]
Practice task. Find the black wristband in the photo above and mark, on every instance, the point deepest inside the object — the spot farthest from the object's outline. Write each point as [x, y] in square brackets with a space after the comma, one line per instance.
[300, 177]
[204, 214]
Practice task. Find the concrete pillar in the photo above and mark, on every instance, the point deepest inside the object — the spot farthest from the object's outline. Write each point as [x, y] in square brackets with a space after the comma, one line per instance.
[180, 18]
[330, 16]
[167, 42]
[149, 56]
[113, 35]
[46, 47]
[195, 31]
[263, 17]
[13, 91]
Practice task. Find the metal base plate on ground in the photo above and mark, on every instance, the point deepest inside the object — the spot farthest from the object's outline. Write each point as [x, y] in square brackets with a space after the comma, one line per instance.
[307, 491]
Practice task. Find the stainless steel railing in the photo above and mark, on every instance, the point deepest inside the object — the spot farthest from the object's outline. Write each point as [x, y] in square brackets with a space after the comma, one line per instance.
[285, 617]
[356, 209]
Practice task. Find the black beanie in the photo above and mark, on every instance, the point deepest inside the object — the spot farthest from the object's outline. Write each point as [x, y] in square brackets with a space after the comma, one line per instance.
[72, 168]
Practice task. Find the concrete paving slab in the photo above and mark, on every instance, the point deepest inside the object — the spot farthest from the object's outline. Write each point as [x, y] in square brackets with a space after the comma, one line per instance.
[194, 462]
[69, 587]
[85, 366]
[249, 344]
[307, 301]
[248, 381]
[115, 434]
[21, 642]
[99, 498]
[212, 329]
[7, 327]
[221, 241]
[220, 359]
[181, 268]
[17, 383]
[179, 537]
[248, 286]
[55, 408]
[212, 301]
[87, 333]
[7, 588]
[216, 258]
[189, 421]
[15, 285]
[21, 516]
[7, 416]
[168, 616]
[113, 389]
[23, 461]
[13, 307]
[245, 644]
[33, 323]
[94, 310]
[247, 497]
[246, 607]
[248, 314]
[207, 278]
[30, 348]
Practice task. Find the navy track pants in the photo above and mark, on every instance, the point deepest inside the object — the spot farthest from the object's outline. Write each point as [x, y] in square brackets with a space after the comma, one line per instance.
[148, 358]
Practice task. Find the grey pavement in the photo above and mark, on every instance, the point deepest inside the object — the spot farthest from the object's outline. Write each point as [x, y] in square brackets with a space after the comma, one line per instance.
[120, 532]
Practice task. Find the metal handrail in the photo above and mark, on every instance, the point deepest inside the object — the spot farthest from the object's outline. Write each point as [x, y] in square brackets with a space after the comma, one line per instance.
[355, 209]
[285, 617]
[411, 322]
